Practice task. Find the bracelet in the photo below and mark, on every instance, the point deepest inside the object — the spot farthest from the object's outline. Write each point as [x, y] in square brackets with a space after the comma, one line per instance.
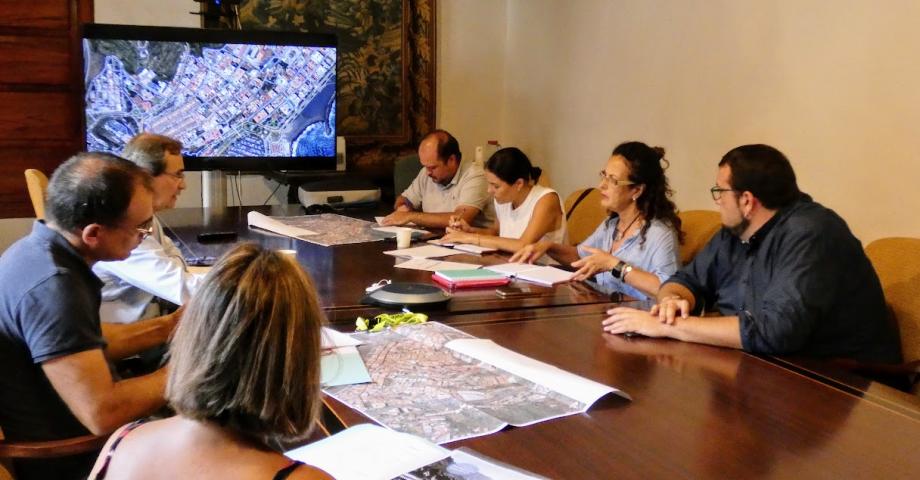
[625, 271]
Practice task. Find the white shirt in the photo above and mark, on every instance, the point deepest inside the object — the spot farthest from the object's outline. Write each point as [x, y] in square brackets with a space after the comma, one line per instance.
[154, 269]
[513, 222]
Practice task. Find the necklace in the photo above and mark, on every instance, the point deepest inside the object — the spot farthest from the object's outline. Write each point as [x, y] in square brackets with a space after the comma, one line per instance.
[619, 234]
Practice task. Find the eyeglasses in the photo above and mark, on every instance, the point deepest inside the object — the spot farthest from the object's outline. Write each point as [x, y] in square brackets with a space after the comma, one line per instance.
[177, 175]
[611, 180]
[717, 191]
[146, 229]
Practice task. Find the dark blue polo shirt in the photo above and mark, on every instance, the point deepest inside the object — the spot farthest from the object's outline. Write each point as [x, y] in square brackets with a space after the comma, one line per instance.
[801, 285]
[49, 308]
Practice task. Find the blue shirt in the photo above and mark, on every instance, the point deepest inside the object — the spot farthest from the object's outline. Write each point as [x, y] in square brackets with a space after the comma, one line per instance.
[802, 284]
[658, 254]
[49, 308]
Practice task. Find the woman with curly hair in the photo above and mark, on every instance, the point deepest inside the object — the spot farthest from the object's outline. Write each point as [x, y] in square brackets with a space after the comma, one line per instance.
[244, 377]
[637, 247]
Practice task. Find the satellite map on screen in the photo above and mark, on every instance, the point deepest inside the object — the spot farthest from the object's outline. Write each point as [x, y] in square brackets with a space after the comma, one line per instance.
[219, 100]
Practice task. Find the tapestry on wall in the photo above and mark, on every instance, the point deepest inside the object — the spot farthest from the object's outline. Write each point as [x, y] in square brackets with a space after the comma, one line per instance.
[386, 85]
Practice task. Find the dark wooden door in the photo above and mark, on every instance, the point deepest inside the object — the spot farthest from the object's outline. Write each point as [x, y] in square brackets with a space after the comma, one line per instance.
[40, 92]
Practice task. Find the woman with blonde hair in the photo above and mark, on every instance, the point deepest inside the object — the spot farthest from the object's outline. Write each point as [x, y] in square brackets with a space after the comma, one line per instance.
[243, 379]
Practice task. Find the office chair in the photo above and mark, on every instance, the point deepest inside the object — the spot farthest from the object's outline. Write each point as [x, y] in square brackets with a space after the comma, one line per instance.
[37, 183]
[698, 226]
[897, 263]
[405, 169]
[583, 213]
[11, 450]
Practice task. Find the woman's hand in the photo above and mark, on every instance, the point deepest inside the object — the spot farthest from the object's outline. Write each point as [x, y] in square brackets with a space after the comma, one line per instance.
[598, 261]
[530, 253]
[454, 236]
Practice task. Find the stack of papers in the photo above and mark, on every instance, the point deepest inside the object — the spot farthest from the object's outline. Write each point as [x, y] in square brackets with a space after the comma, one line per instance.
[539, 274]
[368, 452]
[470, 278]
[432, 265]
[425, 251]
[465, 247]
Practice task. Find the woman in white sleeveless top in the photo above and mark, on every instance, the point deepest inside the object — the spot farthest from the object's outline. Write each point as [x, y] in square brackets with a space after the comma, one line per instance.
[524, 211]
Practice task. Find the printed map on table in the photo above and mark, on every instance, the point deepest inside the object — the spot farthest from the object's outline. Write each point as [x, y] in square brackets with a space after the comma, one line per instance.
[421, 387]
[332, 229]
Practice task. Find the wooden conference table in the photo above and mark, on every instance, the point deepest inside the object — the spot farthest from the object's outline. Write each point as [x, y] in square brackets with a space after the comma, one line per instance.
[697, 411]
[342, 272]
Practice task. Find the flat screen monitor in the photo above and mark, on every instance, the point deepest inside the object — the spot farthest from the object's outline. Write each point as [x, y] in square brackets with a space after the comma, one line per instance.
[237, 100]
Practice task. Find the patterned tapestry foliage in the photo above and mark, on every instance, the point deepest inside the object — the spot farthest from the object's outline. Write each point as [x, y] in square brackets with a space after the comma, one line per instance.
[386, 61]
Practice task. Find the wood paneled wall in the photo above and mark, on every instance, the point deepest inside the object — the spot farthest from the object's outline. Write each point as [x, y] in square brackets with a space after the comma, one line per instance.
[40, 92]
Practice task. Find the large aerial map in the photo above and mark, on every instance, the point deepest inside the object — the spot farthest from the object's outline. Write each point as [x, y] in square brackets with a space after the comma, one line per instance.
[219, 100]
[421, 387]
[332, 229]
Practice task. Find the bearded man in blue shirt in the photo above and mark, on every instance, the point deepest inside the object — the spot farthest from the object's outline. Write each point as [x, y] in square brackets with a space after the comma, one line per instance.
[784, 275]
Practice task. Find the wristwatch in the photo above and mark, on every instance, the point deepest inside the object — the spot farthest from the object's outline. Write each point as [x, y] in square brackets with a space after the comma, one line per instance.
[621, 269]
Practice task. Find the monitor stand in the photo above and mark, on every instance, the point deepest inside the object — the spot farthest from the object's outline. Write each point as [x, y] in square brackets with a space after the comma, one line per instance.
[213, 189]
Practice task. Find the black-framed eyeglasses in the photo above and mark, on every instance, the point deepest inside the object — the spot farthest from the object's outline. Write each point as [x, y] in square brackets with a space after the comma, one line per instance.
[717, 191]
[611, 180]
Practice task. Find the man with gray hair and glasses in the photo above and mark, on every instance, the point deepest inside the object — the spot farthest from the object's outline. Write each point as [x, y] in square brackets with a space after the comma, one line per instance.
[56, 382]
[155, 269]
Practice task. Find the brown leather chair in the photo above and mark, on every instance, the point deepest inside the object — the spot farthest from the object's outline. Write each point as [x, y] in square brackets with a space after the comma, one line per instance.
[897, 262]
[583, 213]
[698, 226]
[46, 449]
[37, 183]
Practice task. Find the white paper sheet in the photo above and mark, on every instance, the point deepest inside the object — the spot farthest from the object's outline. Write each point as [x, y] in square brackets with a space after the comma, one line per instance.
[568, 384]
[334, 339]
[256, 219]
[464, 247]
[394, 230]
[432, 265]
[424, 251]
[540, 274]
[368, 452]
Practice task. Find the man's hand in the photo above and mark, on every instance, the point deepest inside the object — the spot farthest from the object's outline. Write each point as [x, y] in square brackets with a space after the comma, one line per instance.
[458, 224]
[399, 217]
[530, 253]
[598, 261]
[669, 308]
[630, 320]
[403, 208]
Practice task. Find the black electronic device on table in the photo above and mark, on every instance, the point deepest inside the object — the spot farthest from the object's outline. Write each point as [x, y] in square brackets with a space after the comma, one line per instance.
[407, 294]
[214, 237]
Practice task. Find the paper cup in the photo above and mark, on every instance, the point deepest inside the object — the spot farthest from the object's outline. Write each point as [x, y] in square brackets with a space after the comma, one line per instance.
[403, 238]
